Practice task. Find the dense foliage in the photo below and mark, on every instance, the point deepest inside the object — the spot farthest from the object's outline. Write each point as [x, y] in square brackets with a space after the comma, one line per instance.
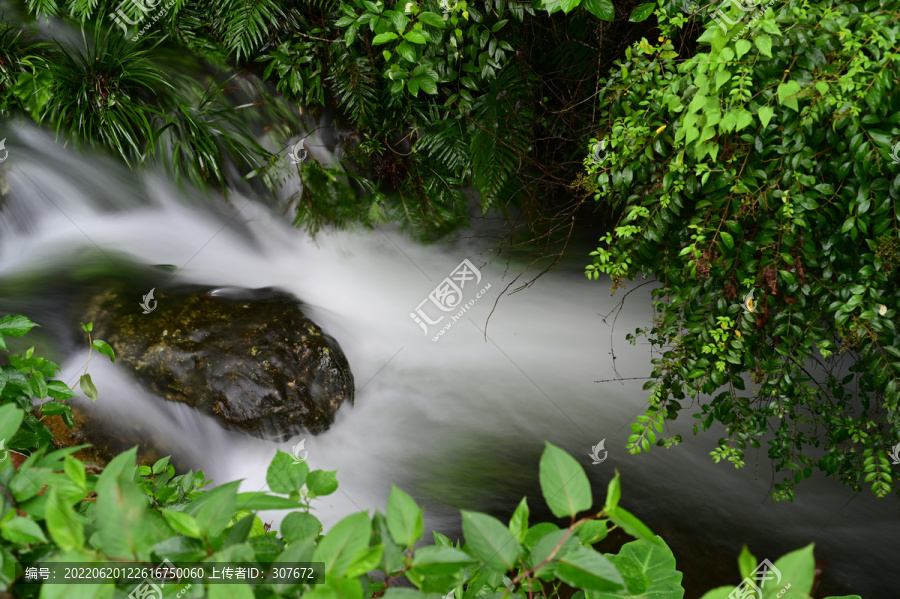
[436, 98]
[762, 165]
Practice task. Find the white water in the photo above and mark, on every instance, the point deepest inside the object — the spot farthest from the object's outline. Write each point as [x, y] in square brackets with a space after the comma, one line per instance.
[458, 423]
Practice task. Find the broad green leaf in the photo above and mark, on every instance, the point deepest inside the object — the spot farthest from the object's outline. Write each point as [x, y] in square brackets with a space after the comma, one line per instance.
[564, 484]
[404, 518]
[741, 47]
[797, 568]
[727, 239]
[322, 482]
[104, 348]
[383, 38]
[415, 37]
[602, 9]
[22, 531]
[648, 571]
[718, 593]
[518, 524]
[338, 548]
[182, 523]
[214, 509]
[64, 525]
[764, 44]
[300, 525]
[584, 568]
[440, 561]
[286, 474]
[642, 12]
[433, 19]
[10, 418]
[765, 115]
[490, 541]
[125, 527]
[365, 560]
[787, 94]
[15, 325]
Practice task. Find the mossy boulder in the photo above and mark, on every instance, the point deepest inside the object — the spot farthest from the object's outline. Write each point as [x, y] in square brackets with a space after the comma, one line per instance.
[249, 357]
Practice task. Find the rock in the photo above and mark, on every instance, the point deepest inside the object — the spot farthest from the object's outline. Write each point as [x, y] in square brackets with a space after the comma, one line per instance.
[248, 357]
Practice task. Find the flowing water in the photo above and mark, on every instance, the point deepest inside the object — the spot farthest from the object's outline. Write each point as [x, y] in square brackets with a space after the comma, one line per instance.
[459, 422]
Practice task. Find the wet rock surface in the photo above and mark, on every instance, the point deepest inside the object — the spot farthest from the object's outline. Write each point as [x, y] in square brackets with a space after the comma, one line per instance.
[249, 357]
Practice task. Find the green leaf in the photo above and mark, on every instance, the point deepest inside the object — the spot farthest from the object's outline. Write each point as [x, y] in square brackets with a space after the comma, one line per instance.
[765, 115]
[415, 37]
[338, 548]
[584, 568]
[125, 527]
[564, 484]
[404, 518]
[87, 386]
[602, 9]
[104, 348]
[383, 38]
[300, 525]
[322, 482]
[741, 47]
[433, 19]
[764, 44]
[285, 475]
[22, 531]
[63, 523]
[75, 470]
[365, 560]
[642, 12]
[746, 562]
[490, 541]
[10, 418]
[427, 84]
[727, 239]
[613, 492]
[630, 524]
[648, 570]
[518, 524]
[182, 523]
[440, 561]
[787, 94]
[799, 568]
[264, 501]
[15, 325]
[214, 509]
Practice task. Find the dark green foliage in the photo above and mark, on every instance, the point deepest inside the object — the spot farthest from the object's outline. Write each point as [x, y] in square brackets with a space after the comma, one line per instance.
[501, 71]
[763, 164]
